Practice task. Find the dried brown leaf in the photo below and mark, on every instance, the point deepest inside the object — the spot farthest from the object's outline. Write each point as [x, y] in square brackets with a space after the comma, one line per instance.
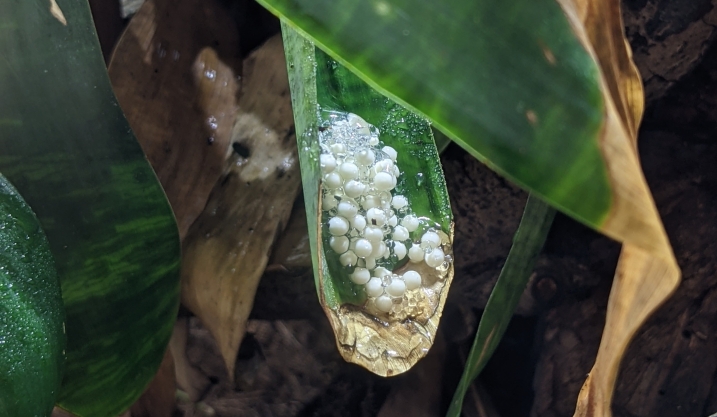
[227, 248]
[293, 249]
[175, 73]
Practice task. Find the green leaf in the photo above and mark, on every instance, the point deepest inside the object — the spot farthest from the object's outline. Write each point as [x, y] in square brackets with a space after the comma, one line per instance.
[527, 243]
[32, 334]
[304, 104]
[338, 89]
[394, 341]
[66, 146]
[509, 82]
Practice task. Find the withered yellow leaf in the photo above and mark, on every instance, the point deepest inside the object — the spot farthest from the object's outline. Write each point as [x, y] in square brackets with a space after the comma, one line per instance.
[647, 272]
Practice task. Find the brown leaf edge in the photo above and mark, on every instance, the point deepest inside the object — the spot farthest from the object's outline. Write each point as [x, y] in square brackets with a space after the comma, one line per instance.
[647, 272]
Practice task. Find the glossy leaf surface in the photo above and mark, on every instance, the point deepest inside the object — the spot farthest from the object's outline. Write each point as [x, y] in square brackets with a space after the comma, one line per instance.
[66, 146]
[526, 101]
[32, 318]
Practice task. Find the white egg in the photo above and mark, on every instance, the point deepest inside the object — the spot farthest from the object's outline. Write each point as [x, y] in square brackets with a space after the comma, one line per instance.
[396, 288]
[384, 303]
[430, 240]
[381, 272]
[400, 233]
[374, 287]
[360, 276]
[349, 258]
[358, 222]
[329, 202]
[410, 222]
[435, 258]
[347, 209]
[398, 202]
[370, 201]
[415, 253]
[354, 188]
[338, 226]
[399, 249]
[363, 248]
[339, 244]
[375, 217]
[378, 250]
[338, 148]
[332, 181]
[412, 279]
[390, 152]
[348, 171]
[384, 181]
[365, 157]
[328, 163]
[373, 234]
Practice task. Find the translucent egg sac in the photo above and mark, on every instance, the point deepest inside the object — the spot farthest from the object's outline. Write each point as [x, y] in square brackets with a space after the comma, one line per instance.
[371, 230]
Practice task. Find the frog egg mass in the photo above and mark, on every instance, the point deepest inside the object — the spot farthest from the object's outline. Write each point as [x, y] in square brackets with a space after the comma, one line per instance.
[372, 230]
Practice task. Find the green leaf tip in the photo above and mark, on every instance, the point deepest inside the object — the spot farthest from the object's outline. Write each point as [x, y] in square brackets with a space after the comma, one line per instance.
[366, 181]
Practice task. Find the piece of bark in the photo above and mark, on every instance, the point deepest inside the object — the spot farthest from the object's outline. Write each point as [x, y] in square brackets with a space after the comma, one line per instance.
[669, 369]
[669, 38]
[567, 353]
[227, 248]
[672, 362]
[294, 366]
[175, 73]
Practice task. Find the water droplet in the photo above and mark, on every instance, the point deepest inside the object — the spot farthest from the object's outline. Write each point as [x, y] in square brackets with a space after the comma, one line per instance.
[420, 179]
[212, 122]
[161, 51]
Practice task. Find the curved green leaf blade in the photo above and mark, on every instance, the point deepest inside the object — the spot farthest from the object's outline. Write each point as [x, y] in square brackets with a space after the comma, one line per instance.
[509, 82]
[66, 146]
[392, 340]
[338, 89]
[32, 328]
[513, 278]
